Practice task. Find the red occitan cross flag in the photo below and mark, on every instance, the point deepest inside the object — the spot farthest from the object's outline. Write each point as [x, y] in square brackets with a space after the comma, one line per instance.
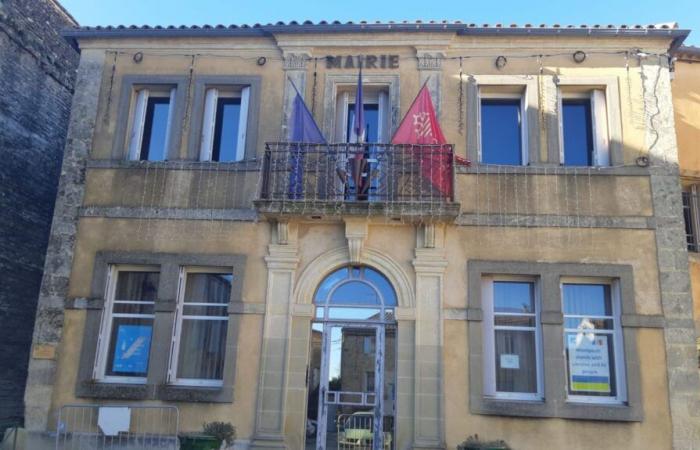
[420, 126]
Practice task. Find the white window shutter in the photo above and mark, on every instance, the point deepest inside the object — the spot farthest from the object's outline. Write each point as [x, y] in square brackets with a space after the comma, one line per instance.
[341, 118]
[243, 123]
[136, 135]
[383, 134]
[560, 113]
[601, 144]
[478, 125]
[208, 123]
[100, 353]
[169, 126]
[524, 133]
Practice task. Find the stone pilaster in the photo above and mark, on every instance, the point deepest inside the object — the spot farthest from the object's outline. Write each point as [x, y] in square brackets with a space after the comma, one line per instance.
[430, 69]
[48, 327]
[295, 70]
[282, 260]
[429, 264]
[672, 255]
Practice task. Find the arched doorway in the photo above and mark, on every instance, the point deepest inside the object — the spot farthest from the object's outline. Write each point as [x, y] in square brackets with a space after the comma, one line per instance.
[352, 371]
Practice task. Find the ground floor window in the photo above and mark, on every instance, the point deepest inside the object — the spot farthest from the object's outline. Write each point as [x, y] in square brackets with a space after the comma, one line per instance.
[512, 342]
[199, 341]
[127, 326]
[593, 341]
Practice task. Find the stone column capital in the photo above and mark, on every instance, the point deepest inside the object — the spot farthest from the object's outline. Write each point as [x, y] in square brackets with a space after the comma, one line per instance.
[295, 59]
[430, 59]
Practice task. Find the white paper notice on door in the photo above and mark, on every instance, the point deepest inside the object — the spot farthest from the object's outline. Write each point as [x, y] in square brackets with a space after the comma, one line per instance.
[509, 361]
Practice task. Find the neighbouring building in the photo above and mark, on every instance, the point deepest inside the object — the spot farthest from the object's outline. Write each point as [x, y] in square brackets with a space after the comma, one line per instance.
[37, 72]
[334, 295]
[686, 105]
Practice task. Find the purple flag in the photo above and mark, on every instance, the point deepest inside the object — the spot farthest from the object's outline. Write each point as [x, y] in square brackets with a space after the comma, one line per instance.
[302, 130]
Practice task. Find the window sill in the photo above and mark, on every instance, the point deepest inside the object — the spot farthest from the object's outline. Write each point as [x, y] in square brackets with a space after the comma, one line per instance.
[187, 393]
[109, 390]
[612, 412]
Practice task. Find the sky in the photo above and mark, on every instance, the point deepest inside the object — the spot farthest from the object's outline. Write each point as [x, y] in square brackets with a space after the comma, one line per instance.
[199, 12]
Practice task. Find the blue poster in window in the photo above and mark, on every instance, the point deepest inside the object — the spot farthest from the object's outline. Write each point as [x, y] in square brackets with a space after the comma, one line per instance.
[131, 351]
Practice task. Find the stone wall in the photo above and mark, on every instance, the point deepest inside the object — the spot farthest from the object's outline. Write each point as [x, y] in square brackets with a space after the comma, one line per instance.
[37, 70]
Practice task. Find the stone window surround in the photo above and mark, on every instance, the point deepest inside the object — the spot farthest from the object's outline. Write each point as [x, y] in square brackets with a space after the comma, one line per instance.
[201, 83]
[612, 107]
[156, 386]
[530, 103]
[334, 80]
[125, 111]
[555, 402]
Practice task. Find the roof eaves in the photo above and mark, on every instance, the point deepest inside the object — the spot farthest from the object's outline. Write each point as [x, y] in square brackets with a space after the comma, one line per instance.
[112, 32]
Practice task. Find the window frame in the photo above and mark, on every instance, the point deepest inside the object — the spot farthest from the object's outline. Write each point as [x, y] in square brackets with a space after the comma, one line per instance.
[130, 85]
[489, 330]
[197, 118]
[177, 328]
[106, 323]
[139, 118]
[600, 129]
[618, 340]
[610, 86]
[212, 94]
[524, 134]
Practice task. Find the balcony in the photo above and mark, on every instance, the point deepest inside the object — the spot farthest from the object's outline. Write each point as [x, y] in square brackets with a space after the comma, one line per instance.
[413, 183]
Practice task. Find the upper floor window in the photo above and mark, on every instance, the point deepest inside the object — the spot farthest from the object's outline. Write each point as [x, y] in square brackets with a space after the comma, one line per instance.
[593, 341]
[584, 128]
[149, 138]
[502, 127]
[691, 217]
[127, 326]
[224, 124]
[376, 110]
[512, 342]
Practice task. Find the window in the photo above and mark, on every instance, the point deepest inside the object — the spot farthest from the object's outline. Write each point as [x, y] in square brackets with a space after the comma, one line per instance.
[376, 109]
[502, 129]
[593, 341]
[224, 124]
[199, 340]
[369, 381]
[149, 139]
[691, 217]
[512, 348]
[127, 327]
[584, 129]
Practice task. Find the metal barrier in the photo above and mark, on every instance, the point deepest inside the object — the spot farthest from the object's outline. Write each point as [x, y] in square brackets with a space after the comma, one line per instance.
[117, 427]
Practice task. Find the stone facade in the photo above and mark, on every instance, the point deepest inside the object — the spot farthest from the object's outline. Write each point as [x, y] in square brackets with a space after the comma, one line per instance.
[540, 220]
[37, 73]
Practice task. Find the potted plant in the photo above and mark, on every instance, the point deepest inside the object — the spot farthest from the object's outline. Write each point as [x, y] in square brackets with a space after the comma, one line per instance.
[474, 443]
[213, 435]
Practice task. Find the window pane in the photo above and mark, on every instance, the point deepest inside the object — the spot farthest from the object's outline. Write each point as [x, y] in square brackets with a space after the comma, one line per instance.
[577, 129]
[516, 361]
[202, 348]
[137, 286]
[587, 299]
[129, 348]
[513, 297]
[515, 321]
[501, 132]
[589, 324]
[355, 293]
[382, 284]
[133, 308]
[155, 129]
[329, 283]
[371, 121]
[354, 313]
[208, 287]
[217, 310]
[590, 364]
[228, 111]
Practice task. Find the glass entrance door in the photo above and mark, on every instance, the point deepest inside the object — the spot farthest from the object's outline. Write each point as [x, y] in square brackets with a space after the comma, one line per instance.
[352, 373]
[353, 413]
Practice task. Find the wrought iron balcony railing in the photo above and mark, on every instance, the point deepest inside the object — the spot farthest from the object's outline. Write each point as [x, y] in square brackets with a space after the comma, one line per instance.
[334, 179]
